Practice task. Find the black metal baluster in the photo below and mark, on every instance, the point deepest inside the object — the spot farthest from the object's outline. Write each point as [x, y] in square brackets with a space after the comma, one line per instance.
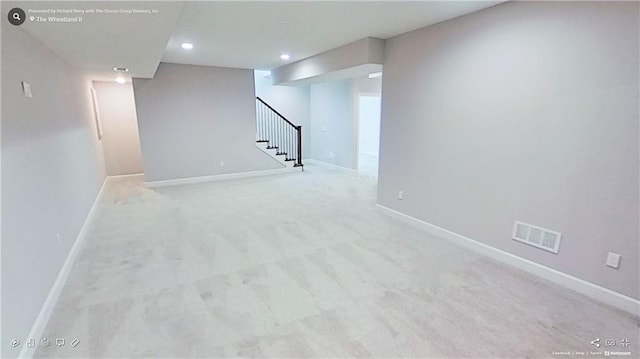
[299, 144]
[280, 134]
[259, 112]
[289, 143]
[271, 139]
[293, 142]
[275, 132]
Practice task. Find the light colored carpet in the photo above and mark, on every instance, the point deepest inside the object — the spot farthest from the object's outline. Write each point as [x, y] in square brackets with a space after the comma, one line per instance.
[368, 164]
[302, 265]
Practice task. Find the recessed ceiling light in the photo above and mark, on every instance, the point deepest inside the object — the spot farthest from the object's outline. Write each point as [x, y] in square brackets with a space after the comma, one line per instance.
[285, 56]
[120, 80]
[120, 69]
[187, 45]
[373, 75]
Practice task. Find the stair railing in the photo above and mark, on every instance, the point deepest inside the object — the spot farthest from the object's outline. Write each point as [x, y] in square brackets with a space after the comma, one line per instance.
[278, 132]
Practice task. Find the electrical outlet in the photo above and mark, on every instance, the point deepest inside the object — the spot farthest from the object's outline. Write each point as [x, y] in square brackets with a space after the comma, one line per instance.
[613, 260]
[221, 163]
[400, 195]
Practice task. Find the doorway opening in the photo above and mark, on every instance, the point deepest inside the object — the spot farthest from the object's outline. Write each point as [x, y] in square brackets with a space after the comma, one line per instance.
[368, 133]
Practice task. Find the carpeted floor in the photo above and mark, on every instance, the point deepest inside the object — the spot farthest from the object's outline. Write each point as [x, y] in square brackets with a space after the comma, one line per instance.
[302, 265]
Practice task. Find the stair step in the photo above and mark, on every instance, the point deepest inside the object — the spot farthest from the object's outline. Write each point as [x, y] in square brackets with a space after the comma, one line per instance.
[271, 147]
[280, 153]
[262, 141]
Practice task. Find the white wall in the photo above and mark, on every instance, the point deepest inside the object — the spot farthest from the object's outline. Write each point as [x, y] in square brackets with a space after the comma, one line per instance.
[291, 101]
[120, 140]
[52, 170]
[192, 117]
[524, 111]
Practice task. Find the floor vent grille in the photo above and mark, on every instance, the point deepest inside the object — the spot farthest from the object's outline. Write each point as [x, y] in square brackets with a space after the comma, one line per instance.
[537, 236]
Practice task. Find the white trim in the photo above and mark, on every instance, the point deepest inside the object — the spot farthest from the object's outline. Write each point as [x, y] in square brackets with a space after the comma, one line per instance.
[96, 112]
[54, 294]
[221, 177]
[594, 291]
[328, 164]
[116, 178]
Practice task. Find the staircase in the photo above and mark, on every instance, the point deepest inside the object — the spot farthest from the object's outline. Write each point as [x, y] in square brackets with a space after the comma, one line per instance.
[277, 136]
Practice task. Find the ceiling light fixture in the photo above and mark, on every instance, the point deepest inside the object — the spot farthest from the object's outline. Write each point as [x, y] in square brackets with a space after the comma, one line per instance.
[121, 80]
[285, 56]
[120, 69]
[373, 75]
[187, 45]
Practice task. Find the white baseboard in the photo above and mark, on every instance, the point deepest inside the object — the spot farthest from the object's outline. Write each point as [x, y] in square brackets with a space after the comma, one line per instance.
[54, 294]
[594, 291]
[222, 177]
[329, 164]
[116, 178]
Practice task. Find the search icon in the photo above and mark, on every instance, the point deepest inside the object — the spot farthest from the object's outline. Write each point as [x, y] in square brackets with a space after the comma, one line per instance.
[16, 16]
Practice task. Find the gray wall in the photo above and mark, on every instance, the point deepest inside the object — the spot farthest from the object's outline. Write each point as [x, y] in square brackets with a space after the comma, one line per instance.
[52, 170]
[120, 140]
[527, 111]
[192, 117]
[365, 84]
[291, 101]
[334, 107]
[332, 123]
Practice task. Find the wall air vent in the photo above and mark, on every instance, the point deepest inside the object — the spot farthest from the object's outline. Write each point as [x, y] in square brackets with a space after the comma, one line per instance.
[537, 236]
